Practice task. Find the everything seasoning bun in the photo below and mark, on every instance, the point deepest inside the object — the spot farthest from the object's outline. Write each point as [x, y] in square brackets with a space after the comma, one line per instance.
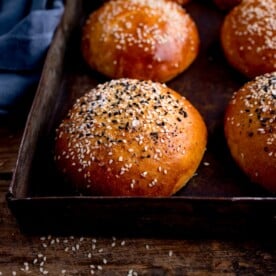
[248, 37]
[141, 39]
[250, 129]
[130, 138]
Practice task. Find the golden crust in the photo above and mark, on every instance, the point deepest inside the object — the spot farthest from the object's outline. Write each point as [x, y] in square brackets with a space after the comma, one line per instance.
[148, 39]
[248, 37]
[250, 129]
[130, 138]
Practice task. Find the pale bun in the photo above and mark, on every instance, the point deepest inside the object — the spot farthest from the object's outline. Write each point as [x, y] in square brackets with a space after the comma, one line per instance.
[250, 129]
[141, 39]
[248, 37]
[130, 138]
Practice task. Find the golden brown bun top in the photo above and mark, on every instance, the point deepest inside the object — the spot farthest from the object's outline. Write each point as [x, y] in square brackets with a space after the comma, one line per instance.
[141, 39]
[133, 138]
[250, 129]
[248, 37]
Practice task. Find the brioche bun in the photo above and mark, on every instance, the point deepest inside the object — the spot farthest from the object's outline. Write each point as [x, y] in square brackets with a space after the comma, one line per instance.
[248, 37]
[181, 2]
[130, 138]
[250, 129]
[142, 39]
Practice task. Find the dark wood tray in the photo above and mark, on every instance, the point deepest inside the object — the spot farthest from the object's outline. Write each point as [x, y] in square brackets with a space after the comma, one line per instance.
[218, 200]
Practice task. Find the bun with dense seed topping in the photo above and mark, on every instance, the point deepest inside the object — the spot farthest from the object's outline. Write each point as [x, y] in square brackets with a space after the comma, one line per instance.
[248, 37]
[130, 138]
[181, 2]
[142, 39]
[250, 129]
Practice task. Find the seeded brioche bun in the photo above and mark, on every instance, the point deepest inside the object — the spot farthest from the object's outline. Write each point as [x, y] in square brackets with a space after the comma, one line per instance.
[250, 129]
[142, 39]
[248, 37]
[181, 2]
[130, 138]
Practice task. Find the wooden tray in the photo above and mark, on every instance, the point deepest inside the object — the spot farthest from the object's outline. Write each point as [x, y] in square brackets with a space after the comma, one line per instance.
[218, 200]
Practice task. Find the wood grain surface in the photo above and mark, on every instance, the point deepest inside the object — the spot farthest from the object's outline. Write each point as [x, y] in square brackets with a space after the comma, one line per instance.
[101, 255]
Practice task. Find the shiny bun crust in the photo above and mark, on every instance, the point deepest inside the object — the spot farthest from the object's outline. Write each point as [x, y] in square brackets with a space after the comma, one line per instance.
[248, 37]
[250, 129]
[130, 138]
[142, 39]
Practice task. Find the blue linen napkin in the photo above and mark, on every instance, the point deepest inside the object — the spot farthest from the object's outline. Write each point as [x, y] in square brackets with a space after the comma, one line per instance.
[26, 31]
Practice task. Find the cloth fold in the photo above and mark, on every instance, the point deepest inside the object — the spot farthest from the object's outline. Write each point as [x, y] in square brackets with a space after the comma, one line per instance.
[26, 31]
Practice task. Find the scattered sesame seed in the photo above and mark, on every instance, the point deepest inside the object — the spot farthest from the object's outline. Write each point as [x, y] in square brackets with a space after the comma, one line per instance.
[123, 243]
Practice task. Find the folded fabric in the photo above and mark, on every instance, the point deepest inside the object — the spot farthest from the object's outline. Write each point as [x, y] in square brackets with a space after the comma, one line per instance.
[26, 31]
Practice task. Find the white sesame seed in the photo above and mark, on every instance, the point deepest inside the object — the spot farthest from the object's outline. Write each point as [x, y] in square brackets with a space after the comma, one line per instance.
[123, 243]
[144, 174]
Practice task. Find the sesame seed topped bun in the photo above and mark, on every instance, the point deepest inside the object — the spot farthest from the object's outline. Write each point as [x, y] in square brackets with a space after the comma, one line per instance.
[250, 129]
[181, 2]
[142, 39]
[129, 137]
[248, 37]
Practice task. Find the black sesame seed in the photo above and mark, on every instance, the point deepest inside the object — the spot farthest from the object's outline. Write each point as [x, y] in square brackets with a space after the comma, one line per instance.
[154, 135]
[183, 113]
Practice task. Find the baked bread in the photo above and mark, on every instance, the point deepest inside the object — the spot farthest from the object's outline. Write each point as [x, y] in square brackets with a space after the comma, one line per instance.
[142, 39]
[181, 2]
[130, 138]
[250, 129]
[248, 37]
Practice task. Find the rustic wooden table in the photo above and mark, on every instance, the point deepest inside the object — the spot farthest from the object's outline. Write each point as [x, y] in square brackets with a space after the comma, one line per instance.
[75, 255]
